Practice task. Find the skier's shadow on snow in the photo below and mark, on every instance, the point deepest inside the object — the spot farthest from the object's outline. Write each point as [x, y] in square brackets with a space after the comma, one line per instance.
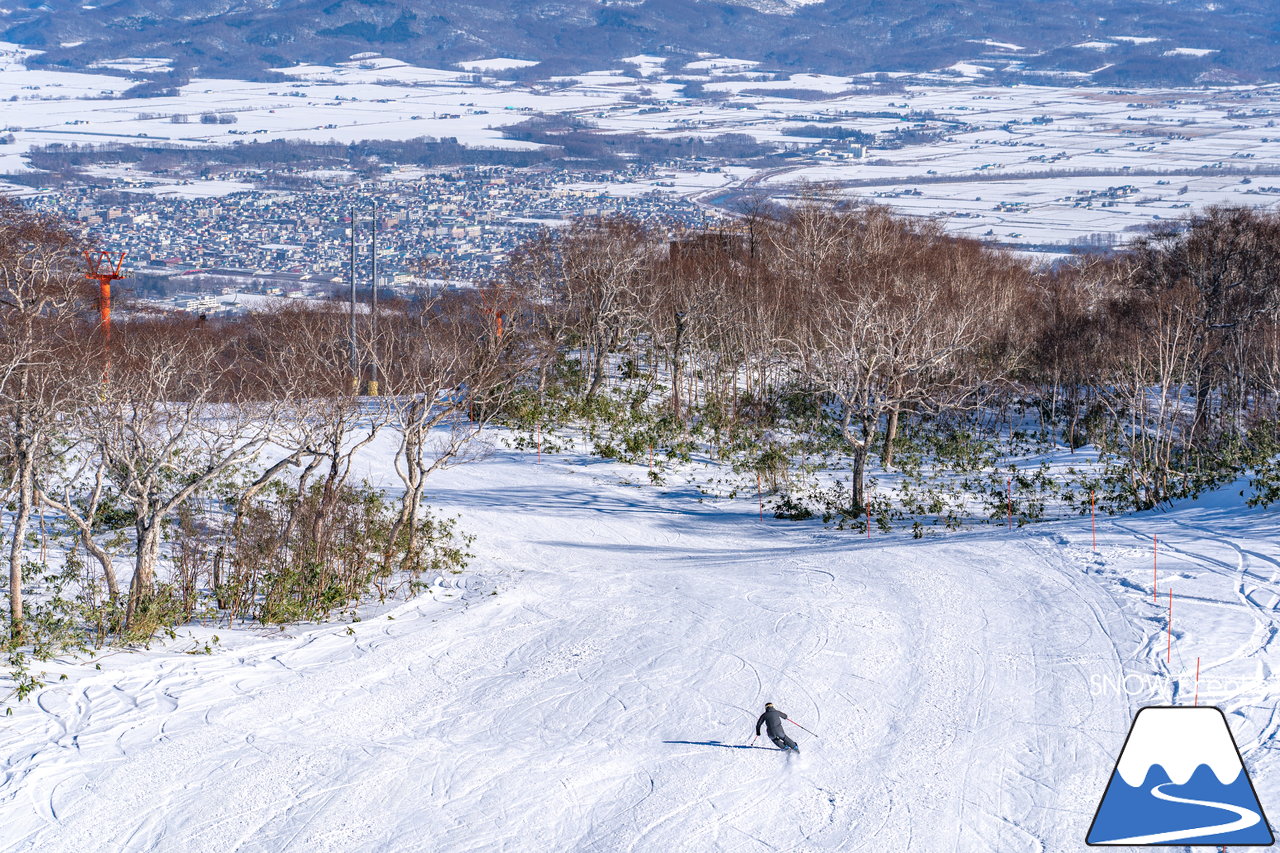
[714, 743]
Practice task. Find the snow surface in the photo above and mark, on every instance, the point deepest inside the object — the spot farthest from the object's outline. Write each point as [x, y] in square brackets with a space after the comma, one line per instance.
[968, 692]
[1210, 145]
[370, 70]
[648, 64]
[969, 69]
[722, 63]
[137, 64]
[498, 64]
[777, 7]
[195, 189]
[1004, 45]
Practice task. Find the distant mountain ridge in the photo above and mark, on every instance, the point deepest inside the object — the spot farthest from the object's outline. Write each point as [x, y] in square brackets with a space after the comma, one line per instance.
[1111, 42]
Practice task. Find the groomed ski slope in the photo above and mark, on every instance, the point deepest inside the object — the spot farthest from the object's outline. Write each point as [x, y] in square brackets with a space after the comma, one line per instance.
[603, 699]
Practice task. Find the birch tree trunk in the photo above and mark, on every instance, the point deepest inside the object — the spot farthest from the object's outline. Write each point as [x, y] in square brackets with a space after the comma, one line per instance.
[24, 475]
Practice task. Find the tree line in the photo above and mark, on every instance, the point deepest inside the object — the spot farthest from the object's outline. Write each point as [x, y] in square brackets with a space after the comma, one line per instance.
[282, 153]
[1163, 355]
[209, 461]
[213, 458]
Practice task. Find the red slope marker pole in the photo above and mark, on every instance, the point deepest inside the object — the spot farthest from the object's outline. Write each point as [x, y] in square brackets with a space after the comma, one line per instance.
[1008, 484]
[1155, 555]
[1093, 519]
[760, 497]
[868, 519]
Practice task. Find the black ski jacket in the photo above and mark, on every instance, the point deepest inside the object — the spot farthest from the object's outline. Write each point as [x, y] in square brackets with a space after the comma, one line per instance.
[771, 719]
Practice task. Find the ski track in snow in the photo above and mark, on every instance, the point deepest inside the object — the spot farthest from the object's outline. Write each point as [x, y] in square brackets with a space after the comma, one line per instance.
[603, 700]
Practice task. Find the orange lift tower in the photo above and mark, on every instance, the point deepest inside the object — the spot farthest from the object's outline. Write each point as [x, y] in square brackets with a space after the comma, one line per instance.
[492, 302]
[104, 267]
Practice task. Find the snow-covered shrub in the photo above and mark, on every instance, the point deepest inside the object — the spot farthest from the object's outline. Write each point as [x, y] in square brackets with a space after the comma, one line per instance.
[291, 556]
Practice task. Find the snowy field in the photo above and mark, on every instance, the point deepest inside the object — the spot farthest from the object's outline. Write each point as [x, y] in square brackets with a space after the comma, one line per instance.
[969, 692]
[1023, 164]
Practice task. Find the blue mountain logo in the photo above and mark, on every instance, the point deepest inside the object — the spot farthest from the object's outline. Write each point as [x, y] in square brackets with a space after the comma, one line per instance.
[1180, 781]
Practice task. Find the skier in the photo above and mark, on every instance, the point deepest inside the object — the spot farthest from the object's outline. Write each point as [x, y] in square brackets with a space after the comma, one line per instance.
[772, 720]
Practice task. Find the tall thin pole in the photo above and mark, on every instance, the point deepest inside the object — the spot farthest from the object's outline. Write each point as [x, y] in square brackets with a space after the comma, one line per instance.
[355, 357]
[1093, 519]
[373, 319]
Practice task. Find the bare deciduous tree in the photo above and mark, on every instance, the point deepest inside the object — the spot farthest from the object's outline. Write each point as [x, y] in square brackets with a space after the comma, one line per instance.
[42, 302]
[1230, 260]
[898, 315]
[451, 363]
[173, 417]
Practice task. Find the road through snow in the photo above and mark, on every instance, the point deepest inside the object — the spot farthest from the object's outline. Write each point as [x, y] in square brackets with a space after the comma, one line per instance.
[604, 698]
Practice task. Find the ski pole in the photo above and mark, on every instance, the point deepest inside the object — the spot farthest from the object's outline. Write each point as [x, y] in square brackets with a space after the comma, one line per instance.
[753, 742]
[789, 720]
